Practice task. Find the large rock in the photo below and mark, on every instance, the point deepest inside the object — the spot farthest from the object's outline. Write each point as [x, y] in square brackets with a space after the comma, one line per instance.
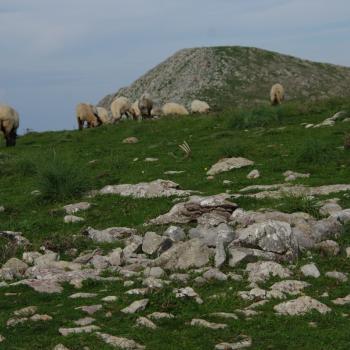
[13, 268]
[271, 236]
[239, 255]
[153, 189]
[209, 234]
[301, 306]
[151, 242]
[195, 207]
[184, 255]
[227, 164]
[261, 271]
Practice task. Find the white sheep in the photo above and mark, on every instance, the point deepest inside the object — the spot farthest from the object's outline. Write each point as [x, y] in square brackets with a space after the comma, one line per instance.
[198, 106]
[173, 108]
[9, 123]
[86, 113]
[135, 111]
[145, 105]
[277, 94]
[119, 107]
[103, 115]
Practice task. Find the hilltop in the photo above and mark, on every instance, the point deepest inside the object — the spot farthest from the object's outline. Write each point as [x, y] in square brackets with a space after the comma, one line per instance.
[231, 76]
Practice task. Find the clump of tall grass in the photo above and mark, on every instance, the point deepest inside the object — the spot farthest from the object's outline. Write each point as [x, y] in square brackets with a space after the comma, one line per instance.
[60, 180]
[315, 151]
[305, 204]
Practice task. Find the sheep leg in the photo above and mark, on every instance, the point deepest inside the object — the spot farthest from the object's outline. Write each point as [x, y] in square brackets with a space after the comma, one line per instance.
[80, 124]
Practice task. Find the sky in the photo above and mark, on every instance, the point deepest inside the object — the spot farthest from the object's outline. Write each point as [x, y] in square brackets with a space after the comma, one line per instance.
[55, 54]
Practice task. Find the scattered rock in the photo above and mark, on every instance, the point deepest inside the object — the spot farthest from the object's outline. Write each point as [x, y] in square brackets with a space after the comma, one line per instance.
[301, 306]
[90, 309]
[340, 276]
[151, 160]
[151, 242]
[118, 342]
[131, 140]
[203, 323]
[184, 255]
[175, 233]
[245, 343]
[78, 330]
[342, 301]
[2, 338]
[84, 321]
[71, 219]
[13, 268]
[224, 315]
[347, 251]
[174, 172]
[254, 174]
[154, 189]
[60, 347]
[15, 237]
[243, 255]
[136, 306]
[26, 311]
[110, 299]
[82, 295]
[161, 315]
[310, 270]
[292, 175]
[215, 274]
[292, 287]
[109, 235]
[74, 208]
[188, 292]
[145, 322]
[328, 248]
[227, 164]
[263, 270]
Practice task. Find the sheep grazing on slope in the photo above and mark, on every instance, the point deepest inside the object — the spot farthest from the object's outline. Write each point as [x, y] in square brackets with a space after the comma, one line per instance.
[87, 113]
[172, 108]
[119, 107]
[103, 115]
[135, 111]
[198, 106]
[276, 94]
[9, 123]
[156, 112]
[145, 105]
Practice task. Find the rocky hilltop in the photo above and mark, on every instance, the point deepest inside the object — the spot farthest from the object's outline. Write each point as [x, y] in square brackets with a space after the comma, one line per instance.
[234, 75]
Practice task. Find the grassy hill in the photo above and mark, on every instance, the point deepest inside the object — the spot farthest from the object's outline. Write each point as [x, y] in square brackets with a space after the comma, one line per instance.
[65, 165]
[230, 76]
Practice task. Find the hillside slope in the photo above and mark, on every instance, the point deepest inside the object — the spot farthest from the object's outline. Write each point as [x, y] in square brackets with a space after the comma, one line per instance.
[235, 76]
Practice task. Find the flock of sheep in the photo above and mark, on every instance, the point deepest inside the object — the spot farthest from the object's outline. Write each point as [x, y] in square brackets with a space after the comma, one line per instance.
[120, 108]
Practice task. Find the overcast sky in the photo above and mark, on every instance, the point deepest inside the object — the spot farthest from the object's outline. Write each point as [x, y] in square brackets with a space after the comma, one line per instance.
[54, 54]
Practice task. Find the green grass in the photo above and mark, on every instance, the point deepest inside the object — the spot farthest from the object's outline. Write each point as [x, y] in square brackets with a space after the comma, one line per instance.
[64, 165]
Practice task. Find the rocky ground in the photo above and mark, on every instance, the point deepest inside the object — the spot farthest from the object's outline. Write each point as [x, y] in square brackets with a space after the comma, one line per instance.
[235, 253]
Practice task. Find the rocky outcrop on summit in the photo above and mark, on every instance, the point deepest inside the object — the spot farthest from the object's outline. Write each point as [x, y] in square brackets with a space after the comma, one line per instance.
[234, 75]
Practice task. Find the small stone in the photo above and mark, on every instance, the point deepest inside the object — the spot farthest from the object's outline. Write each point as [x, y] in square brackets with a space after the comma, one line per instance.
[84, 321]
[128, 284]
[131, 140]
[71, 219]
[153, 283]
[26, 311]
[224, 315]
[90, 309]
[77, 330]
[82, 295]
[15, 321]
[310, 270]
[180, 277]
[145, 322]
[215, 274]
[151, 160]
[254, 174]
[42, 318]
[301, 306]
[2, 338]
[187, 292]
[175, 233]
[156, 272]
[74, 208]
[137, 291]
[203, 323]
[292, 287]
[328, 248]
[110, 298]
[245, 343]
[161, 315]
[136, 306]
[118, 342]
[340, 276]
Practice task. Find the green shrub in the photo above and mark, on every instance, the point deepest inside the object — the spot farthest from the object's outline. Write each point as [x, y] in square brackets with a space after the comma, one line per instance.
[60, 180]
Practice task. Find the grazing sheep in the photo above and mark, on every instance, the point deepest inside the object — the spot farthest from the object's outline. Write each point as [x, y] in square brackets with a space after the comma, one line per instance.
[135, 111]
[277, 94]
[198, 106]
[103, 115]
[9, 123]
[145, 105]
[87, 113]
[172, 108]
[119, 107]
[156, 112]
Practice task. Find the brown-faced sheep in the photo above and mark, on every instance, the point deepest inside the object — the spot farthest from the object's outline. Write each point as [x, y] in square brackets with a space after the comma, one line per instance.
[135, 111]
[103, 115]
[145, 105]
[173, 108]
[87, 113]
[119, 107]
[276, 94]
[198, 106]
[9, 123]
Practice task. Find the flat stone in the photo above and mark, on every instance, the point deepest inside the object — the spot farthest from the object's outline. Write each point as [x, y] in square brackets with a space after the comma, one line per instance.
[254, 174]
[40, 318]
[244, 255]
[15, 321]
[261, 271]
[71, 219]
[203, 323]
[310, 270]
[90, 309]
[215, 274]
[227, 164]
[301, 306]
[110, 299]
[188, 292]
[136, 306]
[151, 242]
[84, 321]
[224, 315]
[82, 295]
[160, 315]
[137, 291]
[245, 343]
[78, 330]
[74, 208]
[120, 343]
[109, 235]
[26, 311]
[145, 322]
[340, 276]
[292, 287]
[342, 301]
[131, 140]
[153, 189]
[151, 159]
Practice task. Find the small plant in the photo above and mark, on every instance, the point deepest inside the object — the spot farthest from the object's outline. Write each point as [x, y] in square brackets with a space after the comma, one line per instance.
[186, 149]
[315, 151]
[305, 204]
[61, 180]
